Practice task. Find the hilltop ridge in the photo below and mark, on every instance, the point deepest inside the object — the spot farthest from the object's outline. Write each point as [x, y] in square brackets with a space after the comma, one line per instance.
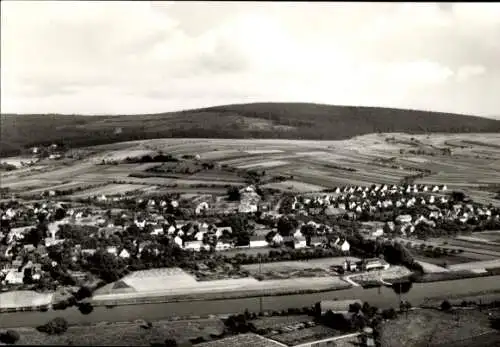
[254, 120]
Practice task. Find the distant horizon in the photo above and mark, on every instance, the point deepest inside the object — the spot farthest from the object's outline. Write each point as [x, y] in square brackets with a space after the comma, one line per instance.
[126, 58]
[494, 117]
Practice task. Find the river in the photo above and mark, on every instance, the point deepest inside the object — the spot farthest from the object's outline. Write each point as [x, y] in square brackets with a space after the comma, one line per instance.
[381, 297]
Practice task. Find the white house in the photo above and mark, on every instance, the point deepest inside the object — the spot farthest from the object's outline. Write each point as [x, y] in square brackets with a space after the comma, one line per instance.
[404, 218]
[299, 241]
[345, 246]
[202, 206]
[222, 246]
[178, 241]
[140, 223]
[258, 241]
[193, 245]
[277, 239]
[171, 230]
[199, 235]
[112, 250]
[14, 277]
[124, 254]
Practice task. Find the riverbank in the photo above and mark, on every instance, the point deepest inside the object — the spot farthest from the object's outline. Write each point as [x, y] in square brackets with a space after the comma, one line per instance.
[161, 297]
[381, 297]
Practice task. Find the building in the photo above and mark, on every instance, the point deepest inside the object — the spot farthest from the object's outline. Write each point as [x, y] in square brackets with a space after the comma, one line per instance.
[222, 246]
[299, 241]
[193, 245]
[373, 264]
[258, 241]
[14, 277]
[336, 306]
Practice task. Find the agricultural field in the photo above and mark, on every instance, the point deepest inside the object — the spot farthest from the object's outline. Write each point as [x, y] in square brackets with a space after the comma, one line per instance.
[133, 332]
[433, 328]
[111, 189]
[309, 165]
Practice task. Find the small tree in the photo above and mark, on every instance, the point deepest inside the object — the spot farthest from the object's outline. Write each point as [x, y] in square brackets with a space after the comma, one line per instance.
[171, 343]
[10, 337]
[56, 326]
[445, 305]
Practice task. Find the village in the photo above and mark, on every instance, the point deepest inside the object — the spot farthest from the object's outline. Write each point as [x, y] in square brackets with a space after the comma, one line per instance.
[35, 237]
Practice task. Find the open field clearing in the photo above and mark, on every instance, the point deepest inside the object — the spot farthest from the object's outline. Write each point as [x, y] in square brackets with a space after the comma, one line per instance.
[430, 268]
[295, 186]
[119, 155]
[476, 265]
[61, 187]
[435, 328]
[115, 334]
[279, 321]
[265, 164]
[263, 151]
[111, 189]
[18, 184]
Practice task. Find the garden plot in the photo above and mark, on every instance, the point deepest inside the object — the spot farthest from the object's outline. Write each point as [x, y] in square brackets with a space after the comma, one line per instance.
[394, 272]
[112, 189]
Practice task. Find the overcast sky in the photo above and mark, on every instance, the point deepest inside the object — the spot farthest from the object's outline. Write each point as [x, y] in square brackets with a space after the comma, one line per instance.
[140, 57]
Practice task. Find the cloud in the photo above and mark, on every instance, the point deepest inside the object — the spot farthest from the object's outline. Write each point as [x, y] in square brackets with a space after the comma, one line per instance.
[129, 57]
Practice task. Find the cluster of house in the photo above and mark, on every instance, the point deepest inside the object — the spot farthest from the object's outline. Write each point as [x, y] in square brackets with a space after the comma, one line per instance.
[370, 199]
[354, 201]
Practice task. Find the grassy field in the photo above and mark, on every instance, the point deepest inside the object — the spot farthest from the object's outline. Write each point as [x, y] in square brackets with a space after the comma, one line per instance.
[131, 334]
[432, 327]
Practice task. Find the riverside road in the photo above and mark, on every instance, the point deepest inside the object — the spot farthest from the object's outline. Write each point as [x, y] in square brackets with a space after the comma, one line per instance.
[381, 297]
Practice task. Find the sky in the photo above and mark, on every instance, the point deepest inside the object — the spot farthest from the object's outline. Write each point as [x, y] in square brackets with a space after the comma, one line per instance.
[101, 57]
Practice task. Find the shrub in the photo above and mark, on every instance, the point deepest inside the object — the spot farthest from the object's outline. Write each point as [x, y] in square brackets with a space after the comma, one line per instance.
[389, 313]
[10, 337]
[56, 326]
[445, 305]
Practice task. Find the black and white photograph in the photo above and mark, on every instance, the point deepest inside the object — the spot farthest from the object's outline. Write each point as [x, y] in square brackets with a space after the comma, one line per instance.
[250, 174]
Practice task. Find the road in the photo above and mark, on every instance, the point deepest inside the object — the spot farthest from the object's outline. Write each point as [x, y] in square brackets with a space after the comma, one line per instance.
[381, 297]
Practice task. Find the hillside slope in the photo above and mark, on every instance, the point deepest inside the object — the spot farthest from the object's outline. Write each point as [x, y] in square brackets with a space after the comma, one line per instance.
[258, 120]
